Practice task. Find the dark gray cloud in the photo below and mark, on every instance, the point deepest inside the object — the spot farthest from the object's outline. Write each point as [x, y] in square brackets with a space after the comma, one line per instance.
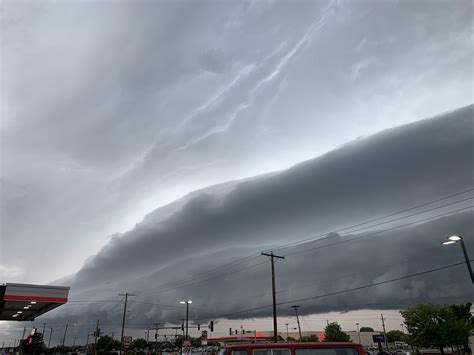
[110, 109]
[371, 177]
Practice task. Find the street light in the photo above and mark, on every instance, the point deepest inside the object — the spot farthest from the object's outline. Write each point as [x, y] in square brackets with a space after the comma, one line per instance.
[453, 239]
[187, 314]
[358, 332]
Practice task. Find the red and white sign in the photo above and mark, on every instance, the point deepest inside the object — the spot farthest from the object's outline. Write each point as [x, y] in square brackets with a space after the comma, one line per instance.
[204, 337]
[187, 347]
[127, 341]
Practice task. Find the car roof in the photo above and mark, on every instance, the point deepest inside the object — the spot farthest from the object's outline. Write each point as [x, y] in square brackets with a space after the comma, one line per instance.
[292, 345]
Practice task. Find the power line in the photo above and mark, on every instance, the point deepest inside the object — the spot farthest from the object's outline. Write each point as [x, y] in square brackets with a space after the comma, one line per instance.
[163, 289]
[337, 292]
[182, 282]
[302, 241]
[382, 231]
[324, 246]
[204, 274]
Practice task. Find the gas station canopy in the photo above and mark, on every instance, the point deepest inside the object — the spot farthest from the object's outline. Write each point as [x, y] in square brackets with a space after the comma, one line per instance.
[22, 302]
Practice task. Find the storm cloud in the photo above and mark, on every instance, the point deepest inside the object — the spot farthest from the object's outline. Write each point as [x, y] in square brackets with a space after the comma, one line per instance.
[162, 259]
[111, 109]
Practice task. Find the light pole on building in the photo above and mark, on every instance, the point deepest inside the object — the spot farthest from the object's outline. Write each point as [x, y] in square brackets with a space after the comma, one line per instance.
[456, 239]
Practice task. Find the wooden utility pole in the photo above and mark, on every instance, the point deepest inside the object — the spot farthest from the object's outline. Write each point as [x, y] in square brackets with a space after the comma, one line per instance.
[126, 294]
[298, 320]
[384, 333]
[275, 326]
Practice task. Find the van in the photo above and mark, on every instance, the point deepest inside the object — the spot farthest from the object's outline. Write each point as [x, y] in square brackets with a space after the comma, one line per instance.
[294, 349]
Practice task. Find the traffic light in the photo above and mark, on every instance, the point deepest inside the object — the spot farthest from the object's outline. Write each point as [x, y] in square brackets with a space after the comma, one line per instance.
[230, 331]
[182, 327]
[236, 332]
[32, 344]
[243, 331]
[211, 326]
[199, 326]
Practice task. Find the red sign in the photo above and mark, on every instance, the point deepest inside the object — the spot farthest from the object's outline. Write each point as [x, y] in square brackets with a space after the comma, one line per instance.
[127, 341]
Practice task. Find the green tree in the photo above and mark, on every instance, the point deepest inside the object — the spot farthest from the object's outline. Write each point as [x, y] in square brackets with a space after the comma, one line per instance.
[366, 329]
[291, 339]
[334, 332]
[196, 342]
[106, 345]
[310, 338]
[138, 344]
[179, 341]
[396, 335]
[439, 325]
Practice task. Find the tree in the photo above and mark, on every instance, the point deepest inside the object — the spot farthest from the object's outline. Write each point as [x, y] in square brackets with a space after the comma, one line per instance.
[366, 329]
[139, 344]
[107, 344]
[396, 335]
[179, 341]
[439, 325]
[334, 332]
[60, 349]
[310, 338]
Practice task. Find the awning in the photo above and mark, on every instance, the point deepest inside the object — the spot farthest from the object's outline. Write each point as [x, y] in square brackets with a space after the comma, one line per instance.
[23, 302]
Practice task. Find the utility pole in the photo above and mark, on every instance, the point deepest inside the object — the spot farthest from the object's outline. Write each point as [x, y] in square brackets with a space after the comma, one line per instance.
[64, 337]
[147, 340]
[44, 327]
[23, 335]
[50, 334]
[275, 326]
[96, 334]
[297, 319]
[126, 294]
[287, 334]
[74, 341]
[384, 333]
[156, 338]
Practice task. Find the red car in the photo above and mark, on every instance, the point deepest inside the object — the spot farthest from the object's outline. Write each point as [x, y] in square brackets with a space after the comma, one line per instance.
[294, 349]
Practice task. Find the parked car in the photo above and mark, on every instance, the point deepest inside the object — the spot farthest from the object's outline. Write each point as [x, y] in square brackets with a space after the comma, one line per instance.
[294, 349]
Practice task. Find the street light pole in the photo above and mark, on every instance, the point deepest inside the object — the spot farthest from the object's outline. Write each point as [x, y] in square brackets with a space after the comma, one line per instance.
[287, 334]
[453, 239]
[297, 319]
[187, 315]
[358, 332]
[64, 337]
[50, 334]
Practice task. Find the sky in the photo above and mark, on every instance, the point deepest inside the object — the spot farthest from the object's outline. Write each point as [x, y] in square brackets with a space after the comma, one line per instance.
[113, 109]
